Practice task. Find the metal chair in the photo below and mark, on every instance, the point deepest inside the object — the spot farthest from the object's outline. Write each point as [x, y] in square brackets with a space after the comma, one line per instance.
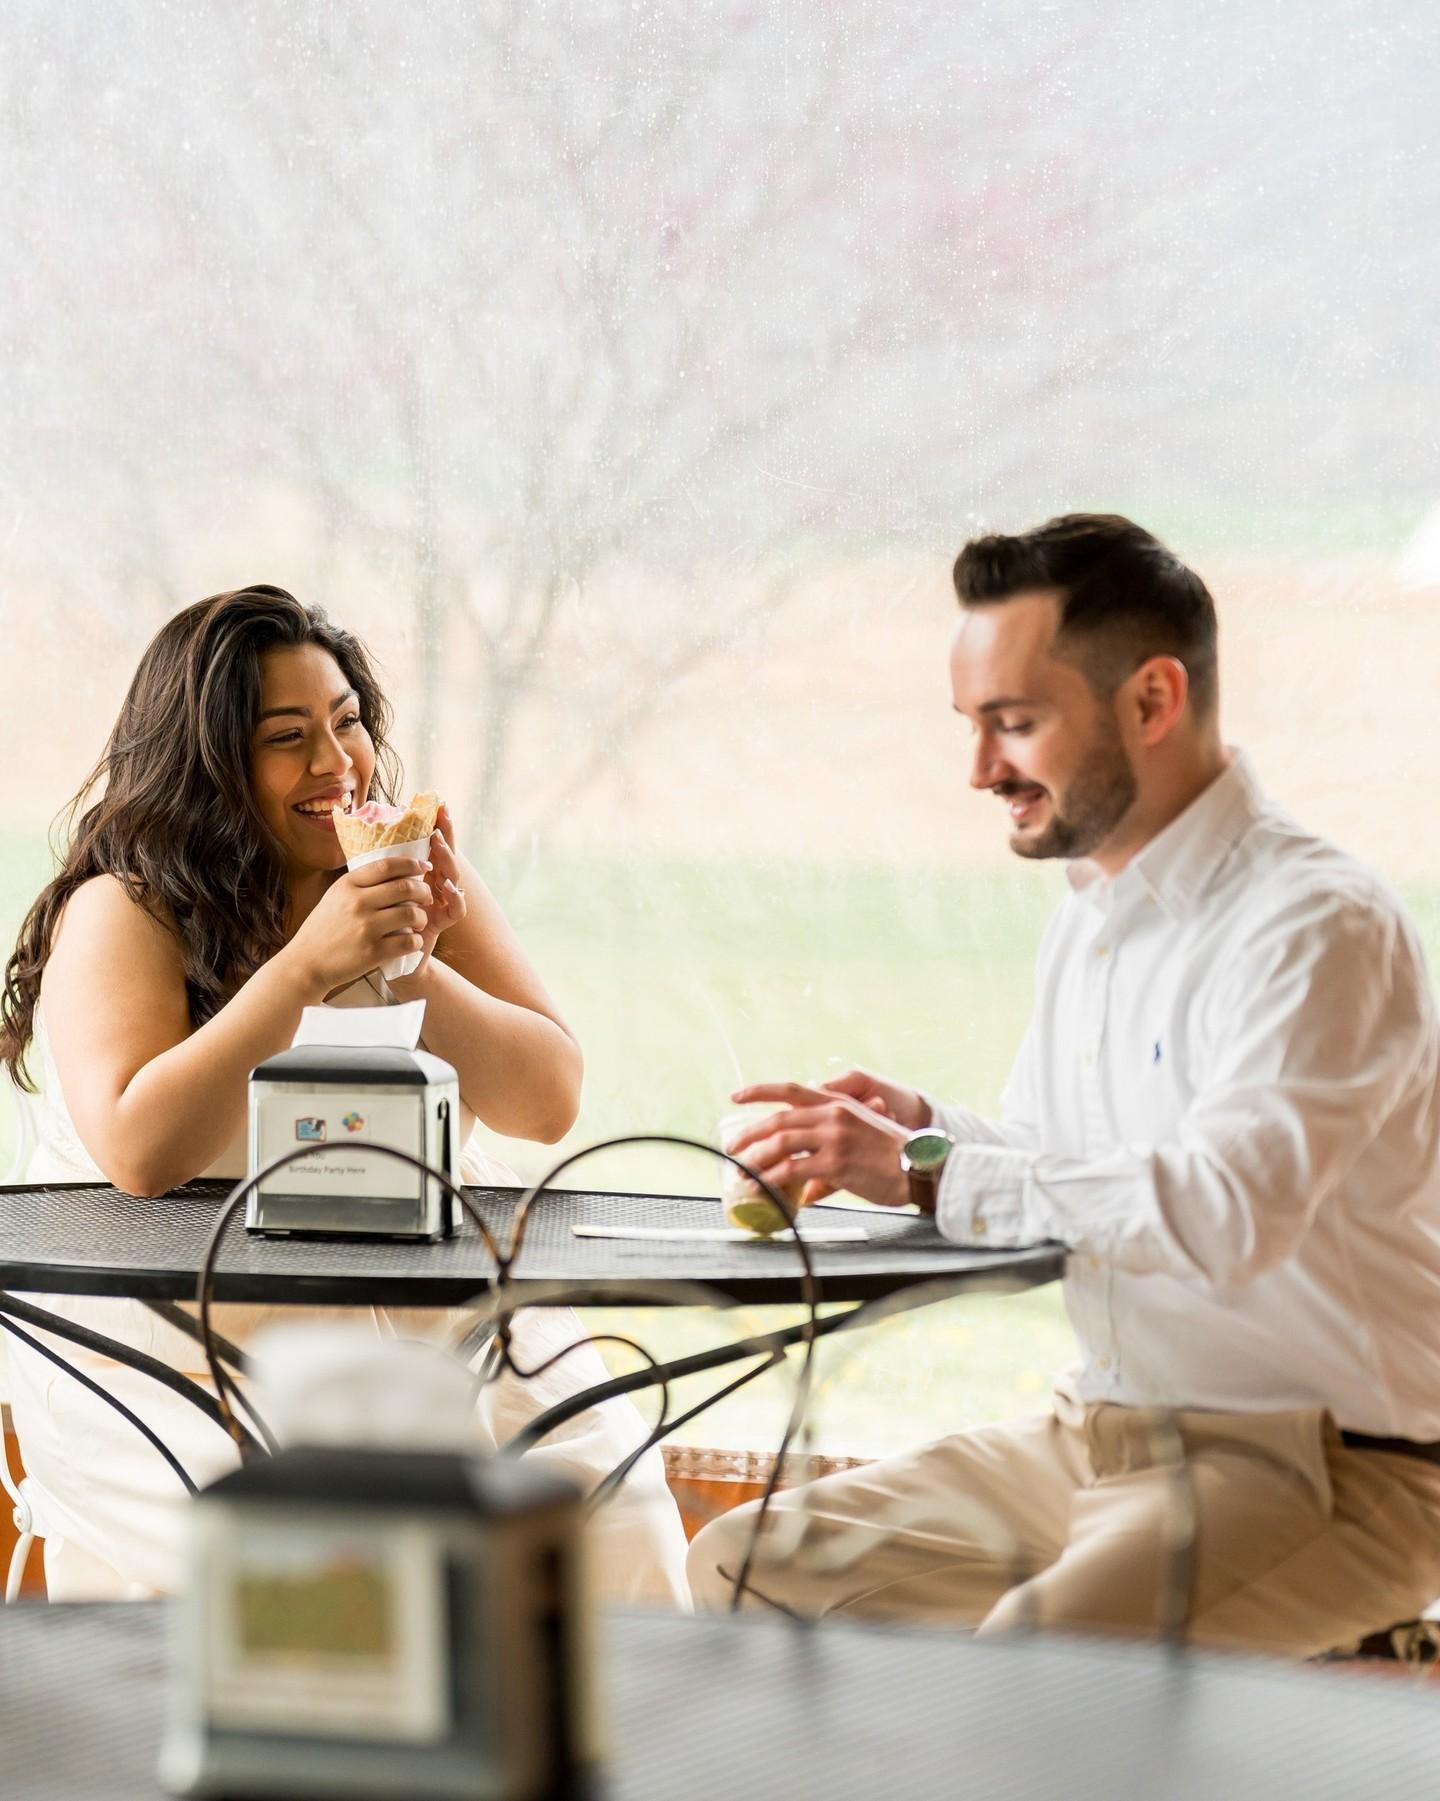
[23, 1515]
[22, 1511]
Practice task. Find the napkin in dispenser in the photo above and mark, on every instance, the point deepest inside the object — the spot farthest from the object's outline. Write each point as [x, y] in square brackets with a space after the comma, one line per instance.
[353, 1078]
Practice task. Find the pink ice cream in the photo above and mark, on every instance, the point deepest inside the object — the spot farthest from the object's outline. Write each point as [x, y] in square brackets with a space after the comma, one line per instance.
[375, 812]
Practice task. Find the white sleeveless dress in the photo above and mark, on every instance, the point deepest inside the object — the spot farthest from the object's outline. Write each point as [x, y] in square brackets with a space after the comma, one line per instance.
[110, 1510]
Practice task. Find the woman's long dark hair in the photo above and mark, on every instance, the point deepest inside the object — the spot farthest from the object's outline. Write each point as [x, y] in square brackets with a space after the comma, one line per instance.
[176, 819]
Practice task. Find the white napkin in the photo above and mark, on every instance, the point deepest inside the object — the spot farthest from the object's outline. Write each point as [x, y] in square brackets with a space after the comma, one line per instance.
[396, 1027]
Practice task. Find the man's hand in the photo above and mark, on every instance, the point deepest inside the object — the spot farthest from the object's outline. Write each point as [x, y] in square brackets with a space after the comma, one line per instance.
[827, 1140]
[907, 1106]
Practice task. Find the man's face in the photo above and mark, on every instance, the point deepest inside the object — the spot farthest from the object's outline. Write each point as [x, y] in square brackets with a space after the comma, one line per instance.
[1045, 743]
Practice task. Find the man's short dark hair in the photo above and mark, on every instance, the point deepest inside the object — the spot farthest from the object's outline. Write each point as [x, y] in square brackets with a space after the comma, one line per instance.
[1123, 597]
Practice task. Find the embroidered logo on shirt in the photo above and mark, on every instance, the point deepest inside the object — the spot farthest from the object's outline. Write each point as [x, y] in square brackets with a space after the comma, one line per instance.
[1156, 1058]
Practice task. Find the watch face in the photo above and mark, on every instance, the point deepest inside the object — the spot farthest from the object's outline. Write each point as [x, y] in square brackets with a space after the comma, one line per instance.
[926, 1151]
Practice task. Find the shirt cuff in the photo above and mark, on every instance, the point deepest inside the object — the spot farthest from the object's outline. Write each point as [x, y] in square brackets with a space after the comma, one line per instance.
[983, 1196]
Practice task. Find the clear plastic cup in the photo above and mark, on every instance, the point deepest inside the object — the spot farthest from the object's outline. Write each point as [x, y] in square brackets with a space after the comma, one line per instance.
[747, 1206]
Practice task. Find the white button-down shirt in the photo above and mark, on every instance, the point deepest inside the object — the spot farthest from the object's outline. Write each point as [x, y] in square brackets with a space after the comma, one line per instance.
[1228, 1105]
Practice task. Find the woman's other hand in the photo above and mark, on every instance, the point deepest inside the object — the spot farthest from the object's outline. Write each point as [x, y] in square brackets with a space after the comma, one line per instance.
[366, 917]
[447, 895]
[445, 903]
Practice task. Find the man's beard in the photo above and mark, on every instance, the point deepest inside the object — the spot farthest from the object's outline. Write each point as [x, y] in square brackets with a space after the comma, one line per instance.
[1098, 797]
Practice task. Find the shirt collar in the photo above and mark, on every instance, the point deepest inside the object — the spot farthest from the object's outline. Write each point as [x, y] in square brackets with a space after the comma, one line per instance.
[1178, 864]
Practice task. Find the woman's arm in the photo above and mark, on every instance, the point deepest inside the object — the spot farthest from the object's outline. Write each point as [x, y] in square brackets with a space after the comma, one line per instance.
[487, 1012]
[155, 1102]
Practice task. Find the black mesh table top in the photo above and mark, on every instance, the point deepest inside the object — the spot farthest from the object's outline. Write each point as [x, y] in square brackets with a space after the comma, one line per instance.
[774, 1712]
[78, 1239]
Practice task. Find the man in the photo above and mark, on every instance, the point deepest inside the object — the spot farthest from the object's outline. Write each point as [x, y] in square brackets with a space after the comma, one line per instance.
[1226, 1106]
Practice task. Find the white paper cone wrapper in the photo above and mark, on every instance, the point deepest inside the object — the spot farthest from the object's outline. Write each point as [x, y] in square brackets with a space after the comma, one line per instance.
[418, 848]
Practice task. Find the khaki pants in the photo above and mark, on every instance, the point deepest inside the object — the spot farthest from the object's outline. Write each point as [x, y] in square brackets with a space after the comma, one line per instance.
[1079, 1520]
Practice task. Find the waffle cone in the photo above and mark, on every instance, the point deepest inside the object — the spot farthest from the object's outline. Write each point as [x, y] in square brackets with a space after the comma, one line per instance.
[358, 835]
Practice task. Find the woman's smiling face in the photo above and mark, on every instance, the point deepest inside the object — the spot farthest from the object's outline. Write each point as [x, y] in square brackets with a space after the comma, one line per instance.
[309, 752]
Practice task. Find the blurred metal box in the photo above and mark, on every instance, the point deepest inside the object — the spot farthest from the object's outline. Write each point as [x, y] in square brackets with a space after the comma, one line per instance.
[402, 1623]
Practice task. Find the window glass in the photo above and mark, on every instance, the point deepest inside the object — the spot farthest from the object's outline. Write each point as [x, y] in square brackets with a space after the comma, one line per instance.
[628, 375]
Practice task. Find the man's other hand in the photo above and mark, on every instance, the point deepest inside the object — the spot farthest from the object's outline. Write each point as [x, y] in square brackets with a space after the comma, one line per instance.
[828, 1140]
[907, 1106]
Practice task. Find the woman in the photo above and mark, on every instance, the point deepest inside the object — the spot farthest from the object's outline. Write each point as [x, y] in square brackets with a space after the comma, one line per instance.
[203, 903]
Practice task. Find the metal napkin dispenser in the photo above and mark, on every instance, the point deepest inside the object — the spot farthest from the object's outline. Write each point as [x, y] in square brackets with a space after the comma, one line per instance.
[343, 1096]
[397, 1623]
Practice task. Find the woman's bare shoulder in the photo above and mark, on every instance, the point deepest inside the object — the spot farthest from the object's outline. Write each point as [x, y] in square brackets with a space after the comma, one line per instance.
[102, 914]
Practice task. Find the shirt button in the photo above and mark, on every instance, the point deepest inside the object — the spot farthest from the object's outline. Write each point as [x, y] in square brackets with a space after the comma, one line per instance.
[977, 1228]
[1104, 1363]
[1102, 951]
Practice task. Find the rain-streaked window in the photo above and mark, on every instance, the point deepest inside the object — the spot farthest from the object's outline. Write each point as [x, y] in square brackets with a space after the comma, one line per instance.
[628, 376]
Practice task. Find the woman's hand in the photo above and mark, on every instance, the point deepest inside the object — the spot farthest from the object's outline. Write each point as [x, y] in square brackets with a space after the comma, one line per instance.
[446, 898]
[366, 917]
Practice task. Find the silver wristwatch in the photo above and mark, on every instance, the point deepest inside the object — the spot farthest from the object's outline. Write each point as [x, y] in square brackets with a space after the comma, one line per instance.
[922, 1157]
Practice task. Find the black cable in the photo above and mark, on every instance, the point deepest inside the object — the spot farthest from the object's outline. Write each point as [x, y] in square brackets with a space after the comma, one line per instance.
[810, 1292]
[800, 1619]
[8, 1325]
[504, 1261]
[205, 1286]
[230, 1353]
[596, 1338]
[476, 1338]
[580, 1293]
[176, 1316]
[610, 1483]
[772, 1481]
[488, 1372]
[697, 1362]
[111, 1348]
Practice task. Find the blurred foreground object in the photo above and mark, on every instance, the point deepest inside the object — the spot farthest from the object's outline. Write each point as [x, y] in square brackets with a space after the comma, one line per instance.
[381, 1620]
